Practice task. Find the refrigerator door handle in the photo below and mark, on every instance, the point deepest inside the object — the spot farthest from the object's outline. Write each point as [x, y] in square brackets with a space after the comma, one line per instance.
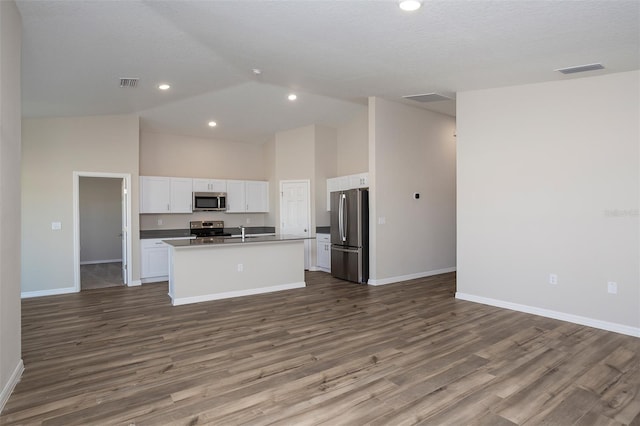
[343, 206]
[345, 223]
[340, 218]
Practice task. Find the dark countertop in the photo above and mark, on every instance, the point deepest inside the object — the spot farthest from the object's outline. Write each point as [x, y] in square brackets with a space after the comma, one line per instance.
[165, 233]
[323, 229]
[228, 241]
[186, 233]
[250, 230]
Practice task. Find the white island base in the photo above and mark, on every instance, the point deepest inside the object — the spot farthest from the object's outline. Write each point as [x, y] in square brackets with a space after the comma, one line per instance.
[200, 273]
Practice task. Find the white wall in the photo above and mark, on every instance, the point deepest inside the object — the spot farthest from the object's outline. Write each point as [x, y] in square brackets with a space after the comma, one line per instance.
[52, 149]
[411, 150]
[353, 145]
[184, 156]
[549, 182]
[295, 160]
[325, 167]
[100, 207]
[10, 110]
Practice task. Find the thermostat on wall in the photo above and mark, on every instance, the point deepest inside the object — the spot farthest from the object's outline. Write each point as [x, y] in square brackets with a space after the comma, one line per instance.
[416, 195]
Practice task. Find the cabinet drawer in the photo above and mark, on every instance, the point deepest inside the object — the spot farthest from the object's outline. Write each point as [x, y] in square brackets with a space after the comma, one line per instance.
[323, 238]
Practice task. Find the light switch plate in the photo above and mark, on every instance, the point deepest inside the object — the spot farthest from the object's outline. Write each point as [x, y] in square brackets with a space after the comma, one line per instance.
[56, 226]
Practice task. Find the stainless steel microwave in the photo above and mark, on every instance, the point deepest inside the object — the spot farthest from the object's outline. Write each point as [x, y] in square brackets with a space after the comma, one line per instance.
[209, 201]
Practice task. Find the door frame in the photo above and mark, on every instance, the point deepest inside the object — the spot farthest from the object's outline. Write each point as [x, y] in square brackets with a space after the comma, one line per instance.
[307, 244]
[76, 223]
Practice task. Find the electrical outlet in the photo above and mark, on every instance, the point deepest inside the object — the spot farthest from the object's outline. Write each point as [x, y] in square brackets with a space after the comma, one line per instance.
[240, 267]
[159, 222]
[382, 220]
[612, 287]
[248, 220]
[553, 279]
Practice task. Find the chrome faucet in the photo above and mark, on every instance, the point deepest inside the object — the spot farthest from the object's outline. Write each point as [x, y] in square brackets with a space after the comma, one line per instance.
[242, 231]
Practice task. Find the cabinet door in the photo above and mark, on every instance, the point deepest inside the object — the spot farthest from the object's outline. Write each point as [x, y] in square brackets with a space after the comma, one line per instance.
[257, 196]
[155, 194]
[201, 185]
[181, 195]
[236, 200]
[209, 185]
[324, 251]
[361, 180]
[218, 185]
[154, 259]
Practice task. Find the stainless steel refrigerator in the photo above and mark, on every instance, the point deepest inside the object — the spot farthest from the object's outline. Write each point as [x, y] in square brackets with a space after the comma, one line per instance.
[350, 235]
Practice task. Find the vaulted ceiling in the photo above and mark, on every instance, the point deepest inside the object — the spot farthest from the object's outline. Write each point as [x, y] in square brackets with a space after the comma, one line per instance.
[332, 54]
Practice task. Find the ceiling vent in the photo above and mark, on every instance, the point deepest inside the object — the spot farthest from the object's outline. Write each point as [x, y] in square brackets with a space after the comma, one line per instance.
[128, 82]
[428, 97]
[581, 68]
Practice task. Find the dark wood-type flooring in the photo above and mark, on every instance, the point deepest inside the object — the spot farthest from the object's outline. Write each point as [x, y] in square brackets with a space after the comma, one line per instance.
[333, 353]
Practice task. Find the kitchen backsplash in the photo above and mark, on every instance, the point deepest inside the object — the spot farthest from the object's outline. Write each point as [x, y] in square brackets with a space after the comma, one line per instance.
[181, 221]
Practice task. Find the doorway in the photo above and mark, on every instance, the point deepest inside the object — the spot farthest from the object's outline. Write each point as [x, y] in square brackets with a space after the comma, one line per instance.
[102, 243]
[295, 212]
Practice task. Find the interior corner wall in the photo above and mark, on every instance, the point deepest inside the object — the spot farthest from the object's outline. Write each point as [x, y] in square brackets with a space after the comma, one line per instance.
[549, 183]
[294, 160]
[411, 150]
[52, 149]
[10, 110]
[269, 155]
[325, 167]
[353, 145]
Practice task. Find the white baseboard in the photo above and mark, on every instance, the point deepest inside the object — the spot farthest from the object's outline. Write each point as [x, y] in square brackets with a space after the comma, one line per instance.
[134, 283]
[153, 279]
[51, 292]
[229, 294]
[319, 269]
[410, 276]
[95, 262]
[11, 384]
[575, 319]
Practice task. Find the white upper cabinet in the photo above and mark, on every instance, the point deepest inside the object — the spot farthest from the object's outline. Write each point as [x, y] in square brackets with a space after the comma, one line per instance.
[236, 199]
[181, 195]
[342, 183]
[257, 196]
[155, 194]
[165, 195]
[247, 196]
[361, 180]
[209, 185]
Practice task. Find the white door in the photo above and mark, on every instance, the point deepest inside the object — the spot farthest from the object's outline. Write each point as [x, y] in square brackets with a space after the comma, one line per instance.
[295, 211]
[125, 231]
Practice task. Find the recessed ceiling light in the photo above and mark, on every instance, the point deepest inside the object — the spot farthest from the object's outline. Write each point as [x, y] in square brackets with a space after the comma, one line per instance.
[410, 5]
[256, 71]
[212, 124]
[292, 97]
[164, 86]
[581, 68]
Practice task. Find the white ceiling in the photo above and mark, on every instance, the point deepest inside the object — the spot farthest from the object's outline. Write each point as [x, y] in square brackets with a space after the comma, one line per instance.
[333, 54]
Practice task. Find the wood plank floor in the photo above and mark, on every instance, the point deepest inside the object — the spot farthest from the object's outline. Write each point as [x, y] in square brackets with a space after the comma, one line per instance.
[333, 353]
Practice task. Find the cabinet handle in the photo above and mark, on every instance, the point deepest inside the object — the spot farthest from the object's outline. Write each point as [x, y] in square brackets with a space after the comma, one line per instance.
[168, 207]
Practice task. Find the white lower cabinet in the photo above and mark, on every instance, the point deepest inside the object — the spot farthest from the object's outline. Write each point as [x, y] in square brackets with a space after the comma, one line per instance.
[154, 260]
[323, 259]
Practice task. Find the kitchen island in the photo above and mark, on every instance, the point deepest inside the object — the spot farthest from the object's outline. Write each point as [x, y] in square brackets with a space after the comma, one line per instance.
[205, 269]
